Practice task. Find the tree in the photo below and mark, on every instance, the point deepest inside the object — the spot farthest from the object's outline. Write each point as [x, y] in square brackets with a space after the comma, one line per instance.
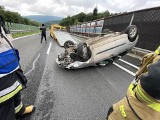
[26, 21]
[89, 17]
[9, 16]
[106, 13]
[2, 12]
[81, 17]
[15, 17]
[95, 13]
[76, 22]
[2, 7]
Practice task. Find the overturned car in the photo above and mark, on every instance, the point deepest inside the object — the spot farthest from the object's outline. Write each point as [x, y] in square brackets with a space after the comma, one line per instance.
[101, 50]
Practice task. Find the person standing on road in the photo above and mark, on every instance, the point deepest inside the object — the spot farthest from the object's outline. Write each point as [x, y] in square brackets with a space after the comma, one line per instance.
[43, 33]
[12, 79]
[142, 101]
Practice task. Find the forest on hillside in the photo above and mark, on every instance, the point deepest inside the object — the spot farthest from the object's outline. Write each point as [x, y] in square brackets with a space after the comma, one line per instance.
[83, 17]
[15, 17]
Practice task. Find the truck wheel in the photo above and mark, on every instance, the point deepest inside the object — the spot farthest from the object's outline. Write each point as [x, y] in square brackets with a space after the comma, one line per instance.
[132, 32]
[68, 43]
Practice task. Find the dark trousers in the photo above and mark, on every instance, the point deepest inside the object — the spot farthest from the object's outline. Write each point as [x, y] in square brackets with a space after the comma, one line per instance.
[43, 35]
[7, 108]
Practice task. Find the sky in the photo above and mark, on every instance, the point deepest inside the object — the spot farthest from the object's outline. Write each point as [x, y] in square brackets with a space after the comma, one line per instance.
[64, 8]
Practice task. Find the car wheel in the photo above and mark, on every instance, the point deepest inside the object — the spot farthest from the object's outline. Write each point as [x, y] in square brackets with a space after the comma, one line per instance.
[132, 32]
[68, 43]
[82, 51]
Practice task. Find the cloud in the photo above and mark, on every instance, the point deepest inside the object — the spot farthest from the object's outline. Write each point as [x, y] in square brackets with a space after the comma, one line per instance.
[71, 7]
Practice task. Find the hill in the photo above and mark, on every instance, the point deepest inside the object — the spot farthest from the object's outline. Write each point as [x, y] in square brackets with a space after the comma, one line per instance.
[43, 18]
[48, 23]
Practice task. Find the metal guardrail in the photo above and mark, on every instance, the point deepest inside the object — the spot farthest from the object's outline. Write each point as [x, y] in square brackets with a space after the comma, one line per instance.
[140, 52]
[143, 50]
[15, 27]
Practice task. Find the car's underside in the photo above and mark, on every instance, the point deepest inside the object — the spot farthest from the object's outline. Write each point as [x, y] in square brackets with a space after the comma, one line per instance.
[100, 50]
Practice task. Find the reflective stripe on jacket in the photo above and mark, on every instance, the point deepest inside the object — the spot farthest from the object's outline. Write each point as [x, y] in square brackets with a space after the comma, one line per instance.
[158, 50]
[141, 95]
[9, 84]
[10, 91]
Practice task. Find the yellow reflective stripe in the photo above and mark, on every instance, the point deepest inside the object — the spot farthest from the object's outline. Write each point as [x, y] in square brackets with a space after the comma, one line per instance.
[130, 89]
[155, 106]
[142, 96]
[151, 103]
[8, 96]
[9, 89]
[157, 52]
[121, 108]
[18, 108]
[145, 95]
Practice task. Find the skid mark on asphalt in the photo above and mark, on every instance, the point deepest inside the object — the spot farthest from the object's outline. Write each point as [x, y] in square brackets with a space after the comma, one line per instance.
[44, 100]
[33, 65]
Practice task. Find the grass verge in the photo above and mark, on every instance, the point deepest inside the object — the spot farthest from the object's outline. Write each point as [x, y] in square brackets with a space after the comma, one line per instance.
[21, 34]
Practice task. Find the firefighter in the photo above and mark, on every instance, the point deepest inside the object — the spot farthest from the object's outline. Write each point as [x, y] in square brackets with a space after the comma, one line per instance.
[142, 101]
[12, 79]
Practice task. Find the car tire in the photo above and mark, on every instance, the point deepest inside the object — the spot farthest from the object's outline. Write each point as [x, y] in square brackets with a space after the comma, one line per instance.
[132, 32]
[82, 51]
[68, 43]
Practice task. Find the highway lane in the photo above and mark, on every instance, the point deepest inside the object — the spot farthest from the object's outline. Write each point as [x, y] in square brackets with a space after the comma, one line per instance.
[32, 55]
[60, 94]
[29, 48]
[84, 94]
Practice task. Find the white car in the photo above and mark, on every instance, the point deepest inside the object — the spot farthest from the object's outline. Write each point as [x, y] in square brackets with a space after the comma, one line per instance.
[100, 50]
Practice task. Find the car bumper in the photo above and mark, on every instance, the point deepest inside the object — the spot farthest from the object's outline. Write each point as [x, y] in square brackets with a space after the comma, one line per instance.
[74, 65]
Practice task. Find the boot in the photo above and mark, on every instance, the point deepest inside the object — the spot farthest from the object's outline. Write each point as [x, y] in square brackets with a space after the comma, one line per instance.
[29, 109]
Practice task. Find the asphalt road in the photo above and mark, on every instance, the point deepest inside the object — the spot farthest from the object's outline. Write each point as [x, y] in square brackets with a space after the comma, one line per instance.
[60, 94]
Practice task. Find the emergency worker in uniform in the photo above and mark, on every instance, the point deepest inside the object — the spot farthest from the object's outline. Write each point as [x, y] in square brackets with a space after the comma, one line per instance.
[43, 33]
[142, 101]
[12, 79]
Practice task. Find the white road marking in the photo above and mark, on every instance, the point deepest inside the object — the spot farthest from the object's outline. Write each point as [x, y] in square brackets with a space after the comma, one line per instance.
[129, 63]
[49, 48]
[33, 65]
[133, 74]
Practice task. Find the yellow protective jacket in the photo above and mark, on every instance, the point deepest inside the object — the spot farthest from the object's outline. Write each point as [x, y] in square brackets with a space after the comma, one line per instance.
[142, 101]
[147, 60]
